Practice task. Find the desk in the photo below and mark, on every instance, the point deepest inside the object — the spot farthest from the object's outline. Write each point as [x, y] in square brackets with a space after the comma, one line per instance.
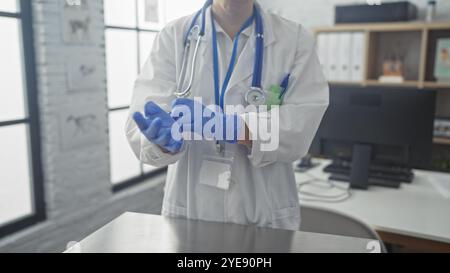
[141, 233]
[416, 214]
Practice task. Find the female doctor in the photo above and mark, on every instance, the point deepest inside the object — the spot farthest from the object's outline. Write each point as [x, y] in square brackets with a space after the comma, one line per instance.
[243, 55]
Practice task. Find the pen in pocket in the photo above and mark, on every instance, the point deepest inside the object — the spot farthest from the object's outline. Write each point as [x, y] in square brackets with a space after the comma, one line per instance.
[284, 86]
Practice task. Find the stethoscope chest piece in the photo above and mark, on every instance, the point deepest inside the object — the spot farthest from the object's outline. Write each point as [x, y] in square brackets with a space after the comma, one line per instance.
[255, 96]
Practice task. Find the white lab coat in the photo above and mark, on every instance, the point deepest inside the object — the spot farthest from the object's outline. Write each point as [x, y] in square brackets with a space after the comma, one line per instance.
[263, 190]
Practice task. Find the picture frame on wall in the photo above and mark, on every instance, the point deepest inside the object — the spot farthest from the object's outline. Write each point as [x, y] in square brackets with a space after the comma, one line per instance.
[83, 73]
[442, 127]
[77, 22]
[442, 60]
[81, 127]
[152, 11]
[152, 14]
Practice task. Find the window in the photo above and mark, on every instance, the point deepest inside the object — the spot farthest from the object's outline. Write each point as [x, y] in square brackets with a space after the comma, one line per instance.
[131, 27]
[21, 194]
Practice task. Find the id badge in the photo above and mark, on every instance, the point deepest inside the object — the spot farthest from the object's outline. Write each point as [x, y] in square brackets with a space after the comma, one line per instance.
[216, 171]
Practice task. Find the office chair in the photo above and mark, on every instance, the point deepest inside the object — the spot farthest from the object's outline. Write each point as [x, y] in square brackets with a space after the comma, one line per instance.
[331, 222]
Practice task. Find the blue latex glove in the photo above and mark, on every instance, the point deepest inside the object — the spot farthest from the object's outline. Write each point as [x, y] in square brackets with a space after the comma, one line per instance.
[156, 127]
[196, 124]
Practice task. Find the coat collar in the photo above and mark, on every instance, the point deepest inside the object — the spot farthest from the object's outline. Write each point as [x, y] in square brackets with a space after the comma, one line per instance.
[244, 65]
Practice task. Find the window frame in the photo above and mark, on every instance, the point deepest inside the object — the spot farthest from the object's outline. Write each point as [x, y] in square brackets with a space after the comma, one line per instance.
[117, 187]
[34, 135]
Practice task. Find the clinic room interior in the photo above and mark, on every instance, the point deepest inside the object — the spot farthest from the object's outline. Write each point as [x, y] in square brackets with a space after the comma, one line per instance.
[118, 131]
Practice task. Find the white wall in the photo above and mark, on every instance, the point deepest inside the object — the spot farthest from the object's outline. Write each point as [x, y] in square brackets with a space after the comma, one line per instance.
[315, 13]
[78, 193]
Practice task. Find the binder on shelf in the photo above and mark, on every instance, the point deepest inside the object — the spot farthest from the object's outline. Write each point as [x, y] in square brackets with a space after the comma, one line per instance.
[344, 56]
[332, 57]
[322, 51]
[357, 56]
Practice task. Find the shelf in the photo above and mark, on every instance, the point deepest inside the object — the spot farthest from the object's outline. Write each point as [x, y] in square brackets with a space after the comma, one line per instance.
[386, 27]
[441, 85]
[417, 40]
[405, 84]
[376, 83]
[345, 83]
[441, 140]
[400, 84]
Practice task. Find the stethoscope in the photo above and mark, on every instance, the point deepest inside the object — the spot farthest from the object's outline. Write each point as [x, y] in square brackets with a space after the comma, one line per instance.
[255, 95]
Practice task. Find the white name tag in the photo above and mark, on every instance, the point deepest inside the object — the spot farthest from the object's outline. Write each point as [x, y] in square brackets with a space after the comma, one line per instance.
[216, 172]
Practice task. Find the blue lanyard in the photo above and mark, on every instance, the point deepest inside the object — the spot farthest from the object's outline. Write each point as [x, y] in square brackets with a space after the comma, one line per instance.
[220, 93]
[259, 51]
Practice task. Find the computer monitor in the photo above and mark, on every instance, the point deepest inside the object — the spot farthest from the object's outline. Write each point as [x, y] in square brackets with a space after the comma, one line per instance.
[376, 135]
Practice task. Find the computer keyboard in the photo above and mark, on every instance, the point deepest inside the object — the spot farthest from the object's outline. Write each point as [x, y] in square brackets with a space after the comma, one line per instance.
[372, 181]
[378, 175]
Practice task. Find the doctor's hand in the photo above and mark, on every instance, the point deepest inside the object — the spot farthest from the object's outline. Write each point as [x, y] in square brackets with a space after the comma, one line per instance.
[222, 126]
[156, 126]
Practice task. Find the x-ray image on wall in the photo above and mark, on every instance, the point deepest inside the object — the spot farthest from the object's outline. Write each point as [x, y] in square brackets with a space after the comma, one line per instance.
[83, 73]
[152, 11]
[81, 126]
[77, 22]
[152, 14]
